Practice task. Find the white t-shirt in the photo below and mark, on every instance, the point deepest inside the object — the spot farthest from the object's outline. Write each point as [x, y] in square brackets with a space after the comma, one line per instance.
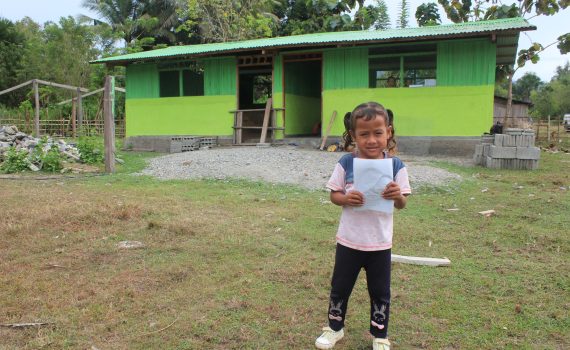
[366, 230]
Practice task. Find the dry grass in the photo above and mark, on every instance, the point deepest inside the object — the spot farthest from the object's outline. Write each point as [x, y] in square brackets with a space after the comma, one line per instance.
[235, 265]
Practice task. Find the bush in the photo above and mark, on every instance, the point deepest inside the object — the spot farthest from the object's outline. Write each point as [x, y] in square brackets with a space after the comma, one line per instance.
[15, 161]
[48, 160]
[91, 150]
[52, 159]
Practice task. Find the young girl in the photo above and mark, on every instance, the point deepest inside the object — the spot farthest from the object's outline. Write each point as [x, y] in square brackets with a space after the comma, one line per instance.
[364, 238]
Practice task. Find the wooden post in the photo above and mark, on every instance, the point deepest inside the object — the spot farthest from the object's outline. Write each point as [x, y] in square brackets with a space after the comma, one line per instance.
[265, 120]
[79, 110]
[548, 129]
[109, 126]
[329, 127]
[73, 116]
[37, 115]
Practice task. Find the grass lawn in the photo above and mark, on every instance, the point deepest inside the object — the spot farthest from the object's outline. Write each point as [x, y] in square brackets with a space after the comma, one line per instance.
[244, 265]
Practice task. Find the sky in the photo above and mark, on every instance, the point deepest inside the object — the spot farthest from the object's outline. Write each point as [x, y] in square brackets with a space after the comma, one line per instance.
[549, 27]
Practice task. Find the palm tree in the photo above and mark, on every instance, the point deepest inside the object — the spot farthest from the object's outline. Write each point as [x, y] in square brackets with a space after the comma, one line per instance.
[135, 19]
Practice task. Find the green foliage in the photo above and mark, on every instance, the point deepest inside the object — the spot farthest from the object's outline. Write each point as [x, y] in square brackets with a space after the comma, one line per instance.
[402, 21]
[383, 19]
[11, 52]
[564, 43]
[523, 86]
[52, 159]
[47, 159]
[428, 15]
[15, 161]
[228, 20]
[91, 150]
[553, 98]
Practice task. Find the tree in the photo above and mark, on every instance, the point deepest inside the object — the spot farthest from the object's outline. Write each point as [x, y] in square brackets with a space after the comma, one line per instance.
[458, 11]
[230, 20]
[11, 53]
[523, 86]
[402, 21]
[383, 21]
[140, 23]
[427, 15]
[316, 16]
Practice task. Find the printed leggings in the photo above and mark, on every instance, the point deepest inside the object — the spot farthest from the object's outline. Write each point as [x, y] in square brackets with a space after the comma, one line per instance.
[348, 263]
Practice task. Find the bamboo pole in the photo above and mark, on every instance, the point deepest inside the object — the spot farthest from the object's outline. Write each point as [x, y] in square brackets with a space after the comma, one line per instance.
[73, 116]
[548, 129]
[37, 105]
[63, 86]
[79, 110]
[109, 136]
[16, 87]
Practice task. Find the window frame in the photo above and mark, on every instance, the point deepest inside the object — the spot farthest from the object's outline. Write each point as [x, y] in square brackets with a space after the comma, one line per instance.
[181, 67]
[402, 69]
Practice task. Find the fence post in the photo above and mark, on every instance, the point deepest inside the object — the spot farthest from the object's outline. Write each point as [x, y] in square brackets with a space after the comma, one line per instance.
[37, 115]
[79, 110]
[109, 133]
[548, 129]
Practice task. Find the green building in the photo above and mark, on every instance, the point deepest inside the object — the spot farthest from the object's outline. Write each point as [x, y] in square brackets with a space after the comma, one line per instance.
[438, 80]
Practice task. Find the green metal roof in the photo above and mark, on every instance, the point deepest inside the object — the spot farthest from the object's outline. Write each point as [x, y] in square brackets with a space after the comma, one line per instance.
[468, 29]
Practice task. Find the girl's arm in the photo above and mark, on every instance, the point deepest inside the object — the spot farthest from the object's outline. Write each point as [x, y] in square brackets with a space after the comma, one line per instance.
[352, 198]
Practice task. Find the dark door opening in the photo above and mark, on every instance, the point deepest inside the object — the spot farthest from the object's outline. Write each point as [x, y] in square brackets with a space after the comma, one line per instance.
[303, 98]
[255, 88]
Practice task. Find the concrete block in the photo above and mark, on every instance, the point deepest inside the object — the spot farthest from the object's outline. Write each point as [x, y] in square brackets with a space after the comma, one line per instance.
[175, 146]
[503, 152]
[487, 139]
[509, 141]
[486, 150]
[525, 140]
[492, 163]
[528, 153]
[513, 131]
[499, 140]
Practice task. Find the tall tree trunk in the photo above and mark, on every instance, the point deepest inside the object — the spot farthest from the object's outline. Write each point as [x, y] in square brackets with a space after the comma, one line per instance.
[507, 119]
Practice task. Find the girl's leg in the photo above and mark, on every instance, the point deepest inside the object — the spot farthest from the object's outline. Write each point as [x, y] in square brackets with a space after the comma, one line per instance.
[348, 263]
[377, 268]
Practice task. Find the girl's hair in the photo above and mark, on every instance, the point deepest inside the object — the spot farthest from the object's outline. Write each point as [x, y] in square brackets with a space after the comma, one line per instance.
[369, 111]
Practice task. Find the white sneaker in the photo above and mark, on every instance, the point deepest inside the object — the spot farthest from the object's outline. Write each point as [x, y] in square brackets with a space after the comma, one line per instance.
[329, 338]
[380, 344]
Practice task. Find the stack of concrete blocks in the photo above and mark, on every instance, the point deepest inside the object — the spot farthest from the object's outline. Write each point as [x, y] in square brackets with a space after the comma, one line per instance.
[184, 143]
[512, 150]
[191, 143]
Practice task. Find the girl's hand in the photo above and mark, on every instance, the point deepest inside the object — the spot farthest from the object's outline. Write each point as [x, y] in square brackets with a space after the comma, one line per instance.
[354, 199]
[392, 191]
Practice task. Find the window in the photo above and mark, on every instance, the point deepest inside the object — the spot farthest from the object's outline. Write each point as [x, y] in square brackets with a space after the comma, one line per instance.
[181, 80]
[402, 66]
[169, 83]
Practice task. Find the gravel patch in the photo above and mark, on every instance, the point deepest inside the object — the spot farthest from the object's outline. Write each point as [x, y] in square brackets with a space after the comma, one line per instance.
[285, 164]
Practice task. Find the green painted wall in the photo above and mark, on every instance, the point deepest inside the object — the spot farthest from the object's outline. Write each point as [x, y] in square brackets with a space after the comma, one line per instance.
[278, 93]
[194, 115]
[142, 81]
[220, 76]
[466, 62]
[303, 113]
[345, 68]
[434, 111]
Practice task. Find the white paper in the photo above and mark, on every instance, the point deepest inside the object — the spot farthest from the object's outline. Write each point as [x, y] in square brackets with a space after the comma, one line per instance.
[370, 178]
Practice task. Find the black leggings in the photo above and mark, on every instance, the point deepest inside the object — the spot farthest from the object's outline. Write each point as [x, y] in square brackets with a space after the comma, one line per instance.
[348, 263]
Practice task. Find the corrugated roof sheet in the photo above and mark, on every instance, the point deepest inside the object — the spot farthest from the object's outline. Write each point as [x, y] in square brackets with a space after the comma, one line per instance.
[403, 34]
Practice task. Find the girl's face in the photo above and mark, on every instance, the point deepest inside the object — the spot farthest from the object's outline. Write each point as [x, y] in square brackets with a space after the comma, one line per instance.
[371, 137]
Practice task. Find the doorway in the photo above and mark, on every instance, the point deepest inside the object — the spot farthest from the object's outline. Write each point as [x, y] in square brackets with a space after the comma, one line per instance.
[303, 99]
